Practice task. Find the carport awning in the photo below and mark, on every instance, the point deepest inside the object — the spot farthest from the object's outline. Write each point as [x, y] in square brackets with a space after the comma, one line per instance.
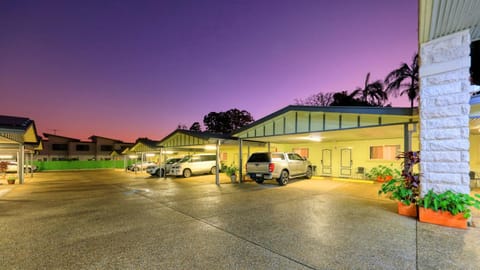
[18, 130]
[296, 124]
[196, 141]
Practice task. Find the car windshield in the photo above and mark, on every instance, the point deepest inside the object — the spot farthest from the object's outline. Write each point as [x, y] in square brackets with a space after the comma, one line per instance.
[173, 160]
[185, 159]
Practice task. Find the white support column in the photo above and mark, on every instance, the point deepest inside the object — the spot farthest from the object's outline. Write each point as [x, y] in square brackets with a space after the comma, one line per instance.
[31, 164]
[217, 164]
[21, 163]
[240, 160]
[444, 113]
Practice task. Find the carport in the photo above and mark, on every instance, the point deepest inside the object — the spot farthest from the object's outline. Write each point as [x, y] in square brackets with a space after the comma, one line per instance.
[339, 141]
[144, 148]
[229, 150]
[18, 141]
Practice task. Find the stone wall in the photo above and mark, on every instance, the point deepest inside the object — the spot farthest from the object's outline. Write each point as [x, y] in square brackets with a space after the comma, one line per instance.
[444, 113]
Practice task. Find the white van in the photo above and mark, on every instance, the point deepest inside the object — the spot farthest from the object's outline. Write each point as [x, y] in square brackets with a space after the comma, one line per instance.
[195, 164]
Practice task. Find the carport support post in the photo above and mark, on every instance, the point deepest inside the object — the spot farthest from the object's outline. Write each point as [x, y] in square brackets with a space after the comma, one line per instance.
[217, 174]
[406, 138]
[21, 163]
[163, 160]
[240, 161]
[31, 164]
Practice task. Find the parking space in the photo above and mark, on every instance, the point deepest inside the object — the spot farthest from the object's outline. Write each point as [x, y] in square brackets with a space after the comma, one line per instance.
[111, 219]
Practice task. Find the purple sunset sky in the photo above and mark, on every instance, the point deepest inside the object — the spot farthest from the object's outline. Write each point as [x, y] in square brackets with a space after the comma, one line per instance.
[129, 69]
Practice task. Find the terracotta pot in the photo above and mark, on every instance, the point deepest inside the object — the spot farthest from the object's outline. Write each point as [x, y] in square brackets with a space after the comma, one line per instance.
[442, 218]
[388, 178]
[380, 179]
[11, 182]
[407, 210]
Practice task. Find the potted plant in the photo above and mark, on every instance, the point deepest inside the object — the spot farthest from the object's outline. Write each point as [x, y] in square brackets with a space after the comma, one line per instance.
[231, 171]
[449, 208]
[11, 180]
[382, 173]
[405, 189]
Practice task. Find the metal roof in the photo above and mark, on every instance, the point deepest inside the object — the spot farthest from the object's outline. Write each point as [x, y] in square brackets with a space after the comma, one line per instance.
[438, 18]
[385, 111]
[18, 129]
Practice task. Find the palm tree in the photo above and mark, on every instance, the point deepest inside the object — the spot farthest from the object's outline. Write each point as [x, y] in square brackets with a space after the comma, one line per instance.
[404, 80]
[373, 93]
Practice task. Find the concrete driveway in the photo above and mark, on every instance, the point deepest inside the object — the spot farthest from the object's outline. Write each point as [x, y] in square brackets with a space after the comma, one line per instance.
[115, 220]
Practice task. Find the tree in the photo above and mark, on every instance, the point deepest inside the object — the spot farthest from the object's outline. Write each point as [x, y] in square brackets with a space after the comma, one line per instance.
[372, 93]
[196, 127]
[226, 122]
[319, 99]
[404, 80]
[181, 126]
[343, 98]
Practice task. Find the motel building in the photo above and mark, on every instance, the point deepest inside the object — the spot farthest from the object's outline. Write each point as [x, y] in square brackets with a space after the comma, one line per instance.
[348, 141]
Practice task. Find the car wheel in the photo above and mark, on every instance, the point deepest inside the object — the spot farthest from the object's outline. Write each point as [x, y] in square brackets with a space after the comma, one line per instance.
[187, 173]
[283, 180]
[259, 180]
[213, 170]
[308, 175]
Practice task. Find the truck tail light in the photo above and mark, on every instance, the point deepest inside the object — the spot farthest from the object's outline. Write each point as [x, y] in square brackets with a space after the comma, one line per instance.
[271, 167]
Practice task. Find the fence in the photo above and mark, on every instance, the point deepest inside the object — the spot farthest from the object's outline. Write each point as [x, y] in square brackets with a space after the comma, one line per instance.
[79, 165]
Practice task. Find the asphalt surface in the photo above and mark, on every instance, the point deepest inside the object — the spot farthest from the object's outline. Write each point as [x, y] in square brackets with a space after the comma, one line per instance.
[116, 220]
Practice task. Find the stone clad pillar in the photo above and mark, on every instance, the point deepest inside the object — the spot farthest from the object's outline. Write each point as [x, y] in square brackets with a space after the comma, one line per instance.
[444, 113]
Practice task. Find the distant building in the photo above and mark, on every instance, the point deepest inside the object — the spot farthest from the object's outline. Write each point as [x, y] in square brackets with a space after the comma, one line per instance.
[56, 147]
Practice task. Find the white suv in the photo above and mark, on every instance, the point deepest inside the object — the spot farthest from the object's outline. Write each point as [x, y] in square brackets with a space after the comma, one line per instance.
[195, 164]
[164, 167]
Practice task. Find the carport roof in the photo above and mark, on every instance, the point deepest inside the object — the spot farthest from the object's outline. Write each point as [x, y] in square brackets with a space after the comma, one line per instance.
[386, 111]
[143, 145]
[297, 124]
[438, 18]
[18, 130]
[183, 138]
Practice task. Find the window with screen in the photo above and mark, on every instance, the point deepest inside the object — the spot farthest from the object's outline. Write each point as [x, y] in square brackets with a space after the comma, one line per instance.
[303, 152]
[384, 152]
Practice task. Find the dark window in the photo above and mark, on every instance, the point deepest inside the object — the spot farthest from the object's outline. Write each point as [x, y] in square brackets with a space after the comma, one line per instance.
[83, 147]
[106, 148]
[259, 157]
[208, 158]
[59, 147]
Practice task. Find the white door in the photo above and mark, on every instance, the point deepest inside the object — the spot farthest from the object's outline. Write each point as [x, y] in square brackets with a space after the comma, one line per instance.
[346, 162]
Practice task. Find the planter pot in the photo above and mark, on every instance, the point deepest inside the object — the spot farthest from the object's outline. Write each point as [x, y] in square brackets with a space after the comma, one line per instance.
[442, 218]
[380, 179]
[407, 210]
[233, 178]
[11, 182]
[388, 178]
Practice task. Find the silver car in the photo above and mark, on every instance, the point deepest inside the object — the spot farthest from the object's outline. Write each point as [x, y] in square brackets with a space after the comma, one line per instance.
[164, 167]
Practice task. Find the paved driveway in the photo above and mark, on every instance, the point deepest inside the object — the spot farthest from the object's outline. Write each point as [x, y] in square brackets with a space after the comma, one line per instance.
[114, 220]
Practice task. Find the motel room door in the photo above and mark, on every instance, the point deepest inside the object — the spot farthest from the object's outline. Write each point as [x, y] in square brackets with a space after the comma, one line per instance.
[326, 162]
[346, 162]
